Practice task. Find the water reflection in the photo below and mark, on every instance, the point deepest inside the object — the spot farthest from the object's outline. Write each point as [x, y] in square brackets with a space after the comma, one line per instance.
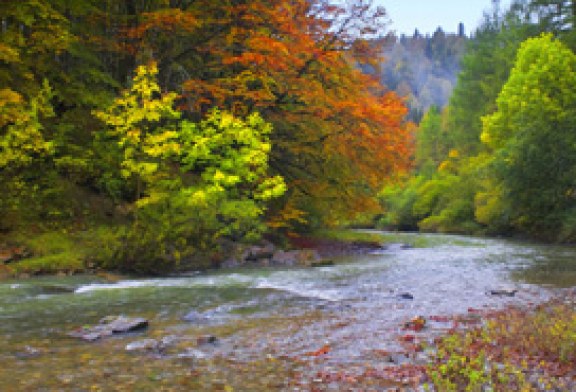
[549, 265]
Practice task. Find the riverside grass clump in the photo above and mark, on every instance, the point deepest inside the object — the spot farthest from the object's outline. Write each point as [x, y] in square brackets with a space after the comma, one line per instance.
[50, 252]
[516, 349]
[61, 251]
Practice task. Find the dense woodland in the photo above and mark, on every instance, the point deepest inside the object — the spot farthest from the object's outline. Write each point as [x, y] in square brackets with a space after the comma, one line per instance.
[163, 128]
[500, 158]
[168, 126]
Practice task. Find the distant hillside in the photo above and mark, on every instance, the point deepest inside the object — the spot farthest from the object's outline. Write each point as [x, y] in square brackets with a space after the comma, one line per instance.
[422, 68]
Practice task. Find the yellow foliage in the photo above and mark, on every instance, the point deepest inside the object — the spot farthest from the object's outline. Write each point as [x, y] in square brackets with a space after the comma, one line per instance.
[287, 216]
[10, 106]
[445, 166]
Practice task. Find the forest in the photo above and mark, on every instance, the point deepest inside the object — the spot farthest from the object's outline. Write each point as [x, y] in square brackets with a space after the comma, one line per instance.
[152, 132]
[162, 128]
[500, 157]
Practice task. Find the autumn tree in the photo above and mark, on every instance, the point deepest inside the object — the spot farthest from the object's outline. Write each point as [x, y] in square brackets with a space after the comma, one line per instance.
[338, 134]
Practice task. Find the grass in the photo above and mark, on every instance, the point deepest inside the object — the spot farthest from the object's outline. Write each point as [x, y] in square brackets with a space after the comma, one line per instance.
[52, 252]
[62, 262]
[58, 251]
[346, 235]
[365, 236]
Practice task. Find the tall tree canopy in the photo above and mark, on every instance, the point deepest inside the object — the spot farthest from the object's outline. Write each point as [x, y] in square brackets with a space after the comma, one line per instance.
[337, 133]
[509, 146]
[533, 137]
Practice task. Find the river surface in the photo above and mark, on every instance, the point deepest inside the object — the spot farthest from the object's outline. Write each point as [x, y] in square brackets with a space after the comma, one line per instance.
[295, 329]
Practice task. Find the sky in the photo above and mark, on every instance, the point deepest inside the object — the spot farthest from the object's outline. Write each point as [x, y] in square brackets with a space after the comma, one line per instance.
[427, 15]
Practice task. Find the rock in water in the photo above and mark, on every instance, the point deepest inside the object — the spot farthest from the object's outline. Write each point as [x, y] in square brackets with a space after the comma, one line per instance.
[194, 316]
[206, 339]
[405, 296]
[53, 289]
[503, 292]
[29, 352]
[143, 345]
[192, 353]
[126, 324]
[415, 324]
[108, 326]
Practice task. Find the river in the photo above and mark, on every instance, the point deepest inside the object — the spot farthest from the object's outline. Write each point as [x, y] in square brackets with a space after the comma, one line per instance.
[292, 329]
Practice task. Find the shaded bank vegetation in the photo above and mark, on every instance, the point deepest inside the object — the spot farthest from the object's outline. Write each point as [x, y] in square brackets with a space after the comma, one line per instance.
[500, 158]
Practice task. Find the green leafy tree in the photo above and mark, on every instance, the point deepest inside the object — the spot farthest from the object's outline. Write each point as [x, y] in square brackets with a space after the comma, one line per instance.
[194, 183]
[25, 152]
[533, 138]
[485, 68]
[431, 141]
[144, 122]
[23, 139]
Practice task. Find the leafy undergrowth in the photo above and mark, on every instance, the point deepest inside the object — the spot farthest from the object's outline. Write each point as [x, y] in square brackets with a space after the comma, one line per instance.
[516, 350]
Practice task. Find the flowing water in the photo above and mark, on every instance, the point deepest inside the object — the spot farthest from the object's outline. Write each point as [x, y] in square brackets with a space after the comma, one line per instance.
[275, 329]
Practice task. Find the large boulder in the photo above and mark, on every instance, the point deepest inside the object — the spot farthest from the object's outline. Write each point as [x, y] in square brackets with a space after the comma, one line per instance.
[266, 254]
[109, 326]
[289, 258]
[242, 254]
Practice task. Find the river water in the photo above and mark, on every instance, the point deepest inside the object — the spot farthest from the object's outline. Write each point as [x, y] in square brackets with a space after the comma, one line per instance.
[292, 329]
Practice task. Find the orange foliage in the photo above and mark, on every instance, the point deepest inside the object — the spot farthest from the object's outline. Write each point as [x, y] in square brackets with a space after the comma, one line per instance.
[338, 134]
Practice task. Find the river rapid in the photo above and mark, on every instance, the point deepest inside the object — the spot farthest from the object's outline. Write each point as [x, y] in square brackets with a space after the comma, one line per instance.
[269, 329]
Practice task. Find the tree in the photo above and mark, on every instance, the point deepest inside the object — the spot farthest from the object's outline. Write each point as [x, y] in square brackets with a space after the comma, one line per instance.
[431, 147]
[533, 137]
[338, 134]
[556, 16]
[485, 68]
[25, 152]
[195, 183]
[144, 122]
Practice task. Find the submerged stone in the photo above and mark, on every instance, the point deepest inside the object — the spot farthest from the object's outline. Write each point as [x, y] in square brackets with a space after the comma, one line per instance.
[29, 352]
[405, 296]
[206, 339]
[143, 345]
[53, 289]
[503, 292]
[108, 326]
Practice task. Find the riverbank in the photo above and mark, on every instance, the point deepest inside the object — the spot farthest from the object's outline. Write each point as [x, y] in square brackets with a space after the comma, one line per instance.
[521, 348]
[68, 253]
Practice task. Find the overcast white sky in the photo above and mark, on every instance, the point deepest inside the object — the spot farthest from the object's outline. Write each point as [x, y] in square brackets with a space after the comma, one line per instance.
[427, 15]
